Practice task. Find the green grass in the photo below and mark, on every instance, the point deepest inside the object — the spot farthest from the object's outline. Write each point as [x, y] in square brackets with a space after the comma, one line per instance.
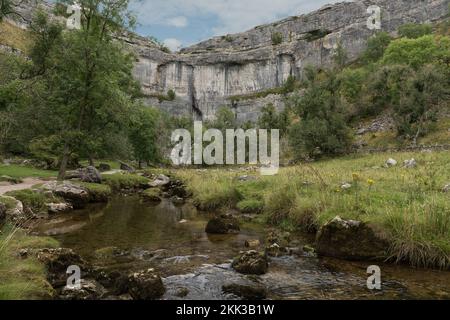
[125, 181]
[33, 199]
[97, 192]
[408, 205]
[22, 278]
[17, 171]
[8, 202]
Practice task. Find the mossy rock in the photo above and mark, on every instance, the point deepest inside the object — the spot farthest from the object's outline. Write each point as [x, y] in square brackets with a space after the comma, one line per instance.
[97, 192]
[152, 195]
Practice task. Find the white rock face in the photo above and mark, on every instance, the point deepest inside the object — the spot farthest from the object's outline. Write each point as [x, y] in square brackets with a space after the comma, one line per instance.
[209, 74]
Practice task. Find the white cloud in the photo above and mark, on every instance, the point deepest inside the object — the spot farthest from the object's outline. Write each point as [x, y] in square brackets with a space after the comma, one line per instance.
[232, 15]
[179, 22]
[173, 44]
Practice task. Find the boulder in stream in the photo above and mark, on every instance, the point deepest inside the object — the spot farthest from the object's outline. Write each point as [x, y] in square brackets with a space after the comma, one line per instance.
[145, 285]
[57, 261]
[88, 290]
[247, 291]
[224, 224]
[351, 240]
[78, 196]
[251, 262]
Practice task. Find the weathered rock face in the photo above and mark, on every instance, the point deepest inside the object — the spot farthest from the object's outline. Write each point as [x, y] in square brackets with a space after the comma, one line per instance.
[351, 240]
[72, 193]
[210, 74]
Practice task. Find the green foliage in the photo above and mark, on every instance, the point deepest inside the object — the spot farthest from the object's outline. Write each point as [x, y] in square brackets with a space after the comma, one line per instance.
[34, 200]
[97, 192]
[144, 134]
[250, 206]
[6, 8]
[277, 38]
[414, 31]
[271, 119]
[418, 52]
[322, 129]
[376, 46]
[17, 171]
[171, 95]
[225, 119]
[316, 35]
[23, 279]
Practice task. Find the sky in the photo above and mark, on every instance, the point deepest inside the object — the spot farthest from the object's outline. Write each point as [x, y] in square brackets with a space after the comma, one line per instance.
[180, 23]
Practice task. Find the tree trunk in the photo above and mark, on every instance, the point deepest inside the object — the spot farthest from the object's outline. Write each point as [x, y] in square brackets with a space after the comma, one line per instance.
[91, 161]
[64, 161]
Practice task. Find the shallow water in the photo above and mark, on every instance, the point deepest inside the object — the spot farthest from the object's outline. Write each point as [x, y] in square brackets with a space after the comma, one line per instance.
[172, 240]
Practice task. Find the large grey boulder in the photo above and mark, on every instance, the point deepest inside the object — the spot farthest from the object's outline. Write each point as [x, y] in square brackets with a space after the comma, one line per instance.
[351, 240]
[74, 194]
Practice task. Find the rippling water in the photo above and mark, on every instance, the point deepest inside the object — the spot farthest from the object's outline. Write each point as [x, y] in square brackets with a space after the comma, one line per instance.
[172, 240]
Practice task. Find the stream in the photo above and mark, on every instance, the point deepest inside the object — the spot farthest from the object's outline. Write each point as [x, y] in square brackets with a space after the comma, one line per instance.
[128, 235]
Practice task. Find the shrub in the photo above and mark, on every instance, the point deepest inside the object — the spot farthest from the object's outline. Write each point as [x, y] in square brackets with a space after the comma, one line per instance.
[277, 38]
[171, 95]
[414, 31]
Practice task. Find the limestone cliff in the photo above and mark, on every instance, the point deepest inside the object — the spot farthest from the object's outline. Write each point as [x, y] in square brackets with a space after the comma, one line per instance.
[208, 75]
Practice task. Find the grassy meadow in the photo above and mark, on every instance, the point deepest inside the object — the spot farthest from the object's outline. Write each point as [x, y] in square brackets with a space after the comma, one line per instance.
[22, 278]
[407, 204]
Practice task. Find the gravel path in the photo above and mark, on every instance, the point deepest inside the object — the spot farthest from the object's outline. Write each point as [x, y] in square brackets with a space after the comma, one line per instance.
[26, 184]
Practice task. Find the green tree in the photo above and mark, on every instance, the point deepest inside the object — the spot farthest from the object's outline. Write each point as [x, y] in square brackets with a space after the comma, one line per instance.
[225, 119]
[144, 134]
[418, 52]
[89, 85]
[322, 129]
[419, 99]
[376, 46]
[414, 31]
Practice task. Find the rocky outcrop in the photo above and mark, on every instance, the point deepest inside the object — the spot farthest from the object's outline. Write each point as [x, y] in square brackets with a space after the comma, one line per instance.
[57, 261]
[145, 285]
[89, 174]
[88, 290]
[78, 196]
[251, 262]
[224, 224]
[212, 73]
[237, 70]
[351, 240]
